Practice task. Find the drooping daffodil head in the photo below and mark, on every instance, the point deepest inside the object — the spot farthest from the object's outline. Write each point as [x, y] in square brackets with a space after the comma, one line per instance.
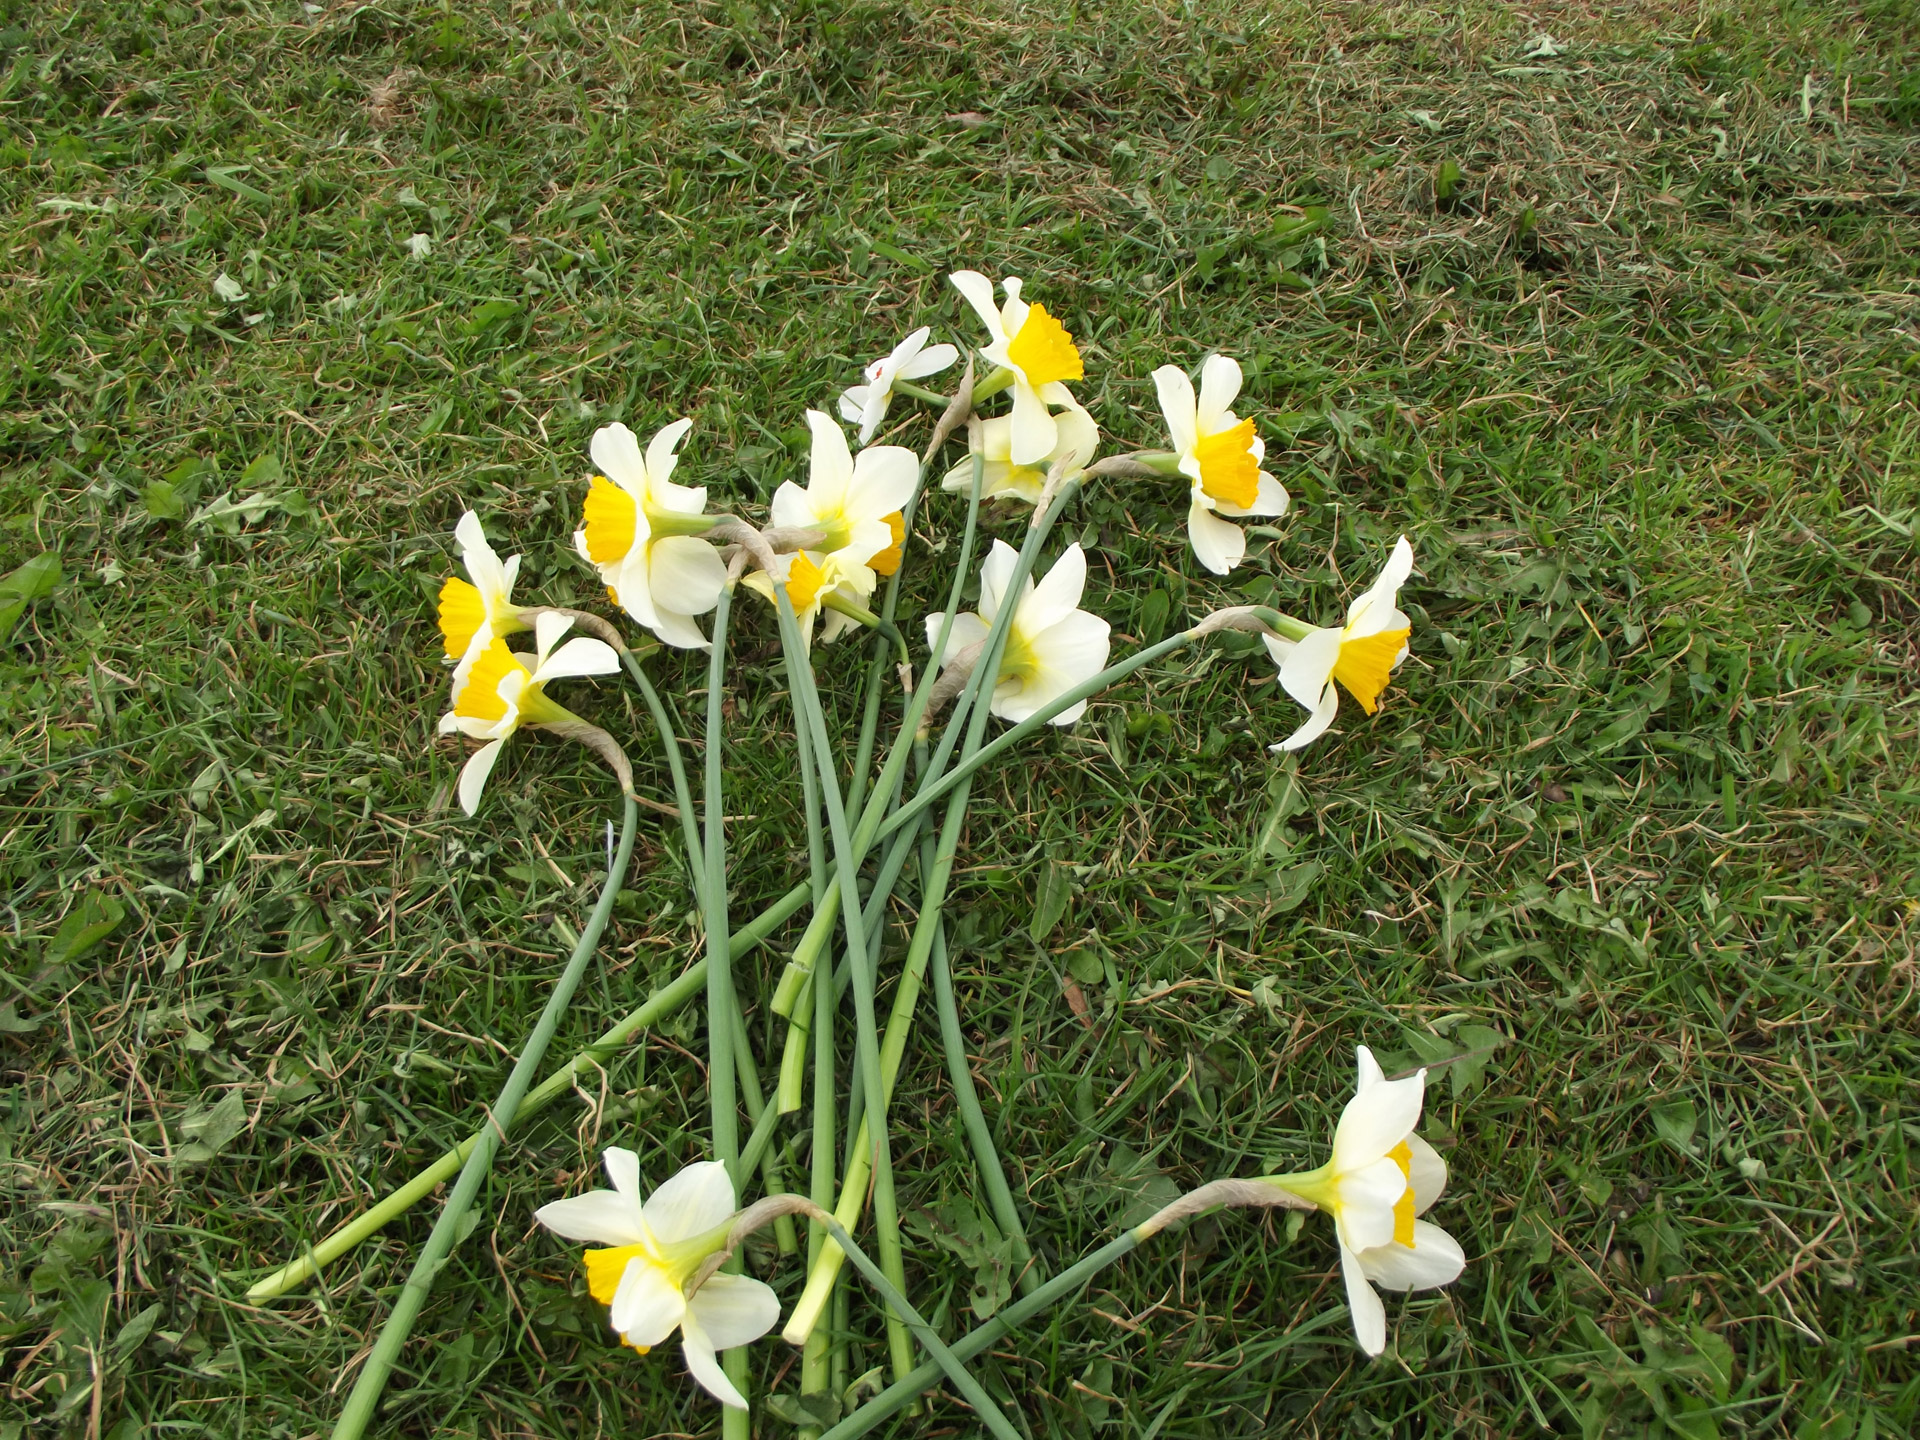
[1359, 657]
[855, 506]
[1381, 1178]
[643, 533]
[1036, 349]
[652, 1247]
[479, 608]
[1220, 455]
[1076, 437]
[495, 692]
[866, 404]
[1052, 645]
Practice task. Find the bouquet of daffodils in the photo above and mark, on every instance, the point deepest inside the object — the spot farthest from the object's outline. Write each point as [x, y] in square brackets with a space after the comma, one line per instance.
[828, 560]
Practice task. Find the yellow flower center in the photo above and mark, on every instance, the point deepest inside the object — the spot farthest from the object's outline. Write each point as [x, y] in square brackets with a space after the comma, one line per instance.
[479, 698]
[462, 613]
[1228, 470]
[805, 580]
[888, 560]
[1044, 350]
[1017, 661]
[608, 518]
[1403, 1208]
[1366, 664]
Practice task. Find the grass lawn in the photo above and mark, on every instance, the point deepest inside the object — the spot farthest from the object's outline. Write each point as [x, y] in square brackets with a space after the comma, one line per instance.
[1614, 310]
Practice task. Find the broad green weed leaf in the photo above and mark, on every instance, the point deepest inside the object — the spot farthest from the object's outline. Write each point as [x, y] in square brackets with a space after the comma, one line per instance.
[87, 924]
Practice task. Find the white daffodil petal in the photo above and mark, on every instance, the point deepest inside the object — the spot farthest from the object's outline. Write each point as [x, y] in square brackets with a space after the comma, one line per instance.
[623, 1169]
[691, 1203]
[930, 361]
[1434, 1259]
[734, 1310]
[547, 630]
[977, 290]
[647, 1307]
[1219, 384]
[1367, 1071]
[473, 775]
[1308, 669]
[1376, 1120]
[489, 576]
[830, 464]
[685, 574]
[884, 479]
[853, 403]
[581, 655]
[1070, 654]
[1034, 429]
[599, 1217]
[1057, 594]
[1368, 1194]
[678, 630]
[1369, 613]
[1217, 544]
[1278, 648]
[1317, 723]
[1178, 406]
[1369, 1315]
[616, 454]
[1272, 500]
[705, 1365]
[968, 630]
[661, 458]
[792, 507]
[1427, 1174]
[996, 572]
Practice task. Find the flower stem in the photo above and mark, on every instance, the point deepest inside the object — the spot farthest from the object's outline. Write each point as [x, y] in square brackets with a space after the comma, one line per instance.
[372, 1380]
[902, 1393]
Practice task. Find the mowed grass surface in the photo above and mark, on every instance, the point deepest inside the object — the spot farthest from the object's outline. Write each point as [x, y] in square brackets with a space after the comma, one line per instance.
[1635, 830]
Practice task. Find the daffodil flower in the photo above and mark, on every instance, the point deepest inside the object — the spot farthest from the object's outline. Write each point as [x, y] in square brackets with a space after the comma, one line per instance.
[1076, 437]
[494, 693]
[1036, 349]
[856, 505]
[643, 533]
[912, 359]
[653, 1249]
[483, 609]
[1381, 1178]
[1220, 455]
[1360, 655]
[1052, 644]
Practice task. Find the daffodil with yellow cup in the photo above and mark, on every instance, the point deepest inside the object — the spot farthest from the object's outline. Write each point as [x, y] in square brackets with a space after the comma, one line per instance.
[481, 607]
[852, 513]
[1052, 644]
[866, 404]
[1038, 353]
[495, 693]
[1076, 437]
[653, 1248]
[1380, 1179]
[644, 534]
[1359, 657]
[1220, 455]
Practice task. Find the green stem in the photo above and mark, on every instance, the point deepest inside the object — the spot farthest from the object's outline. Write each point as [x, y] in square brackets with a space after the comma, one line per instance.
[677, 766]
[960, 1075]
[359, 1409]
[944, 1360]
[847, 867]
[902, 1393]
[720, 1065]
